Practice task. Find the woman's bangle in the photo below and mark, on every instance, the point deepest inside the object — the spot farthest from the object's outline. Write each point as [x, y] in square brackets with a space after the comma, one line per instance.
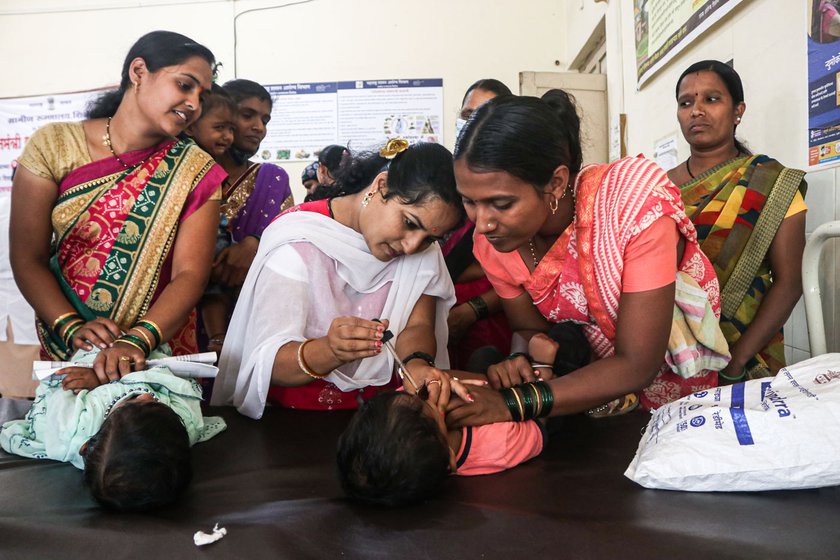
[420, 356]
[739, 378]
[302, 362]
[515, 355]
[139, 332]
[136, 341]
[529, 400]
[70, 332]
[479, 306]
[124, 340]
[153, 328]
[65, 318]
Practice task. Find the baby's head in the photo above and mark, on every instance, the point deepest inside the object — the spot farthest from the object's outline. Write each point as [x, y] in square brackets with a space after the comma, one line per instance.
[394, 452]
[140, 459]
[214, 130]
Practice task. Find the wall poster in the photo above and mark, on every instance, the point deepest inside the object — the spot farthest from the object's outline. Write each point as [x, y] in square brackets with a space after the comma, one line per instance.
[663, 28]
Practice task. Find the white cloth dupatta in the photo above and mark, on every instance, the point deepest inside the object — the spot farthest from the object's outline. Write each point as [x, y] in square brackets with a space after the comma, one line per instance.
[309, 270]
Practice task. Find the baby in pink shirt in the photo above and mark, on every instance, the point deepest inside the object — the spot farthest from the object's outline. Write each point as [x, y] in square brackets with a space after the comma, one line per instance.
[397, 449]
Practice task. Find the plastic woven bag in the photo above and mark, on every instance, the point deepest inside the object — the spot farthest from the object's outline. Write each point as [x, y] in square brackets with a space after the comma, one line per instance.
[764, 434]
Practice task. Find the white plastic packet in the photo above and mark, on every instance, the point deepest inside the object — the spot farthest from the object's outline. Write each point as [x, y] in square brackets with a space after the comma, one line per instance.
[764, 434]
[200, 538]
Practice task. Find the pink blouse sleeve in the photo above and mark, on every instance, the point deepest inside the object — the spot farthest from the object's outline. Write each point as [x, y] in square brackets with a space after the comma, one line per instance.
[650, 260]
[501, 268]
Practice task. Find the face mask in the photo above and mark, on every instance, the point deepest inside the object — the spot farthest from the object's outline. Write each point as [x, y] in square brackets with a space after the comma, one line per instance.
[459, 126]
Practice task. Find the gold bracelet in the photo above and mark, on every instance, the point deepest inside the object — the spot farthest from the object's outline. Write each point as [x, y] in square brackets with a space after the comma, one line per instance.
[157, 332]
[139, 331]
[63, 316]
[130, 343]
[302, 362]
[538, 404]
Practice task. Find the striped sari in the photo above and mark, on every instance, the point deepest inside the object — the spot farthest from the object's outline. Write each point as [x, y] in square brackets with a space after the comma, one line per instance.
[114, 230]
[737, 208]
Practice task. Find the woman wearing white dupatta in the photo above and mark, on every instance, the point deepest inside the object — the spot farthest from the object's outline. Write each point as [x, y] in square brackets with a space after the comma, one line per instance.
[302, 334]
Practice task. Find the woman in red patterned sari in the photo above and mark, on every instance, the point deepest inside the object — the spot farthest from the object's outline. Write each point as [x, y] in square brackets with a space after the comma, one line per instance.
[608, 247]
[113, 218]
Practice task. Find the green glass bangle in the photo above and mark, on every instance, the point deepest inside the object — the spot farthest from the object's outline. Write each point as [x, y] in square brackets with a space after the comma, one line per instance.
[135, 341]
[70, 333]
[152, 328]
[479, 306]
[64, 319]
[546, 396]
[510, 402]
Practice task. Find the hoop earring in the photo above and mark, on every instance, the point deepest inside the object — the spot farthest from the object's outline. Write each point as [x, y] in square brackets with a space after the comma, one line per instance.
[555, 204]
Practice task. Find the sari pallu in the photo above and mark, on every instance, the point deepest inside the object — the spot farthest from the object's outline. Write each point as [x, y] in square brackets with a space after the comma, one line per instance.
[255, 199]
[737, 208]
[614, 204]
[114, 229]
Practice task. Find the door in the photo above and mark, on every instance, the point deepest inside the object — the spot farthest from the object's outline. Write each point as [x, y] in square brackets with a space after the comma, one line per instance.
[590, 93]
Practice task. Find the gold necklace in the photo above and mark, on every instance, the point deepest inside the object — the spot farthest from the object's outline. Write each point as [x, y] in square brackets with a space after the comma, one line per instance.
[107, 141]
[533, 252]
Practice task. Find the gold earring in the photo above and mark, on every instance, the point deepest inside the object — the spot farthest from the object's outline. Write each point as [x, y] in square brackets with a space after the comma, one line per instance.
[367, 198]
[555, 204]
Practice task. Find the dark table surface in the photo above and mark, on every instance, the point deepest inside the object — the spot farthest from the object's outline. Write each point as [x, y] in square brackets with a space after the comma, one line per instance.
[272, 484]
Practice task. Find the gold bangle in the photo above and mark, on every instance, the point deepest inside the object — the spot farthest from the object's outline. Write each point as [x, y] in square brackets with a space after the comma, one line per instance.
[130, 343]
[519, 404]
[139, 331]
[70, 323]
[538, 404]
[62, 316]
[158, 335]
[304, 367]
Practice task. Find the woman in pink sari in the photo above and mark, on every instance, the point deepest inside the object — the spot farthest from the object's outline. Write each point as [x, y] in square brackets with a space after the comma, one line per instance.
[608, 247]
[113, 218]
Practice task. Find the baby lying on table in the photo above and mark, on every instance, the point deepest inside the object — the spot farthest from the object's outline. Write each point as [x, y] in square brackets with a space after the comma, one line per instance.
[397, 449]
[131, 437]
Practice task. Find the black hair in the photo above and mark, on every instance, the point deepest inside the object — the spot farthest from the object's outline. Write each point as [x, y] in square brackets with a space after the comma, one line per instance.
[421, 172]
[332, 156]
[524, 136]
[140, 458]
[487, 84]
[242, 89]
[217, 97]
[158, 49]
[730, 79]
[391, 454]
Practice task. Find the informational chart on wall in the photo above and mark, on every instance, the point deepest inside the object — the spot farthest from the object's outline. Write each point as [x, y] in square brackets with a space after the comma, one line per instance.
[19, 118]
[665, 27]
[359, 114]
[823, 83]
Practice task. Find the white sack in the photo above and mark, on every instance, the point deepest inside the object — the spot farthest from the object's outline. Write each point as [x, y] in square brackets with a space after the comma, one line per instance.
[764, 434]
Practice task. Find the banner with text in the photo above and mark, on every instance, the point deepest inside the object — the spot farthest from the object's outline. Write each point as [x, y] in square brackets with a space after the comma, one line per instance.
[823, 83]
[665, 27]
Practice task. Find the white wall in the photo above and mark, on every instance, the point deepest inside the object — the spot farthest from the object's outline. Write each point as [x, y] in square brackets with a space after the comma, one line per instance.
[460, 41]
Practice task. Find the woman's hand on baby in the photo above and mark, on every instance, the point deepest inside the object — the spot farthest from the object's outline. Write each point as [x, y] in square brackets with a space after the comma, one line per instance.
[78, 379]
[487, 407]
[440, 385]
[511, 372]
[99, 333]
[354, 338]
[117, 361]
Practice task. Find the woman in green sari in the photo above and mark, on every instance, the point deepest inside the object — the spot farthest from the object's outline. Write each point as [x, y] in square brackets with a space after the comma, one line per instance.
[749, 211]
[113, 218]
